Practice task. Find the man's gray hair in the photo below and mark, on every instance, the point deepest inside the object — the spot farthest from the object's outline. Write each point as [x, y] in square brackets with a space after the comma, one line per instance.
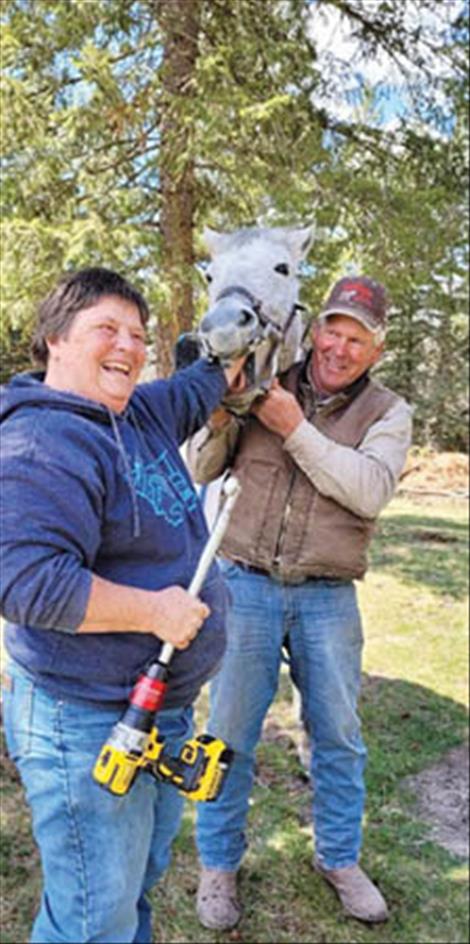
[379, 334]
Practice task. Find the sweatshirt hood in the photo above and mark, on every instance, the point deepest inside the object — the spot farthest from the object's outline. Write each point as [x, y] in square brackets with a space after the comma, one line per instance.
[29, 390]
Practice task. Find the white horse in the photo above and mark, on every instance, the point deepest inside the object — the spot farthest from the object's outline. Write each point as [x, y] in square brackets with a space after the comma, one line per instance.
[254, 307]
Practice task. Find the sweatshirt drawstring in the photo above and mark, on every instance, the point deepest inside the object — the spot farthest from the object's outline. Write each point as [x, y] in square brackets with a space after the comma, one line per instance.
[140, 436]
[125, 459]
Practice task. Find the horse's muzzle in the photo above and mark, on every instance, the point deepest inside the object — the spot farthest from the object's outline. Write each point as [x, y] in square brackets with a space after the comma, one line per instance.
[230, 329]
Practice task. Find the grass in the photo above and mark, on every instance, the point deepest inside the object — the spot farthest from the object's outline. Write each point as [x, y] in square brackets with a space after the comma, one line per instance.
[414, 710]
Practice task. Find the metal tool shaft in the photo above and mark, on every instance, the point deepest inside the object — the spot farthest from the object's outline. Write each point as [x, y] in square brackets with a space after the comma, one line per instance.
[231, 490]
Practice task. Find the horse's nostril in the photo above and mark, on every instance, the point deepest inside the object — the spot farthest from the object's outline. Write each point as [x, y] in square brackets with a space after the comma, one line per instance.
[245, 317]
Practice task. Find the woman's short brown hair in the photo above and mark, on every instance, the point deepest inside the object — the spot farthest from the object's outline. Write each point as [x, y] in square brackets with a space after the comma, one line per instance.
[75, 291]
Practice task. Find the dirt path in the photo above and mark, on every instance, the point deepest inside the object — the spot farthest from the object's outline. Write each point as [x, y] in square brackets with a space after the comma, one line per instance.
[436, 472]
[442, 793]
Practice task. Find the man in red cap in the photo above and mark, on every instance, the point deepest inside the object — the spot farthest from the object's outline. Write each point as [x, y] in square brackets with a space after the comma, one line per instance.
[317, 458]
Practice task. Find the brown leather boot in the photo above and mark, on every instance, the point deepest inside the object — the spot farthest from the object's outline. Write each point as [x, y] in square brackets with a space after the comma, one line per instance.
[217, 904]
[357, 894]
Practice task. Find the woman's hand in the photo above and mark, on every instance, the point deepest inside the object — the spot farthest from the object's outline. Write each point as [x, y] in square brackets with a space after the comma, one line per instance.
[234, 375]
[178, 616]
[172, 614]
[236, 384]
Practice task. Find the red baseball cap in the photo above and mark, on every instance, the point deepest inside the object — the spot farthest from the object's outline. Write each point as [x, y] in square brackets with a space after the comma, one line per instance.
[361, 298]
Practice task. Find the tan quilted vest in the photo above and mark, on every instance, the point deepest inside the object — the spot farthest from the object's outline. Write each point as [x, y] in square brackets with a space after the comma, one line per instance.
[282, 524]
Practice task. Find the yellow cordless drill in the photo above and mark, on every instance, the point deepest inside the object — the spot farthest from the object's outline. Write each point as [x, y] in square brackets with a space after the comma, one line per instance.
[134, 744]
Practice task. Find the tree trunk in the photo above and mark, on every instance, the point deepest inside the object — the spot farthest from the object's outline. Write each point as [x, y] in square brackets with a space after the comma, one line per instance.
[179, 21]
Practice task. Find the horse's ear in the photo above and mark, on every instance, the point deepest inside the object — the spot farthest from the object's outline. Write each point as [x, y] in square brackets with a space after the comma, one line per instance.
[300, 241]
[213, 240]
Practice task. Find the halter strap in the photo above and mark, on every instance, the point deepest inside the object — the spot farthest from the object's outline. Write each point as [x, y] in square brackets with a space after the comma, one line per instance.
[257, 307]
[240, 290]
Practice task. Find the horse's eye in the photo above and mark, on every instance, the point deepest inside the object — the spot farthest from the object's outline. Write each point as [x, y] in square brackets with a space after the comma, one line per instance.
[208, 277]
[282, 268]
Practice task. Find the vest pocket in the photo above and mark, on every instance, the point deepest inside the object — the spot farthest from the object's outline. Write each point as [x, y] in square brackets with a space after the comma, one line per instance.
[253, 528]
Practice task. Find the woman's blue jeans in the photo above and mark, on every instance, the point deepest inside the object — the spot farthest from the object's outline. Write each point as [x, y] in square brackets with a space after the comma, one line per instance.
[100, 853]
[320, 623]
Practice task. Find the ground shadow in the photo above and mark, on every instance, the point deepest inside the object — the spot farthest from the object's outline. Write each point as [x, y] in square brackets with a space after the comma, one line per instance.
[430, 551]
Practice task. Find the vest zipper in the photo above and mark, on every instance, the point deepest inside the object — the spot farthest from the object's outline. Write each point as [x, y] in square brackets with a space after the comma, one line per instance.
[309, 414]
[287, 510]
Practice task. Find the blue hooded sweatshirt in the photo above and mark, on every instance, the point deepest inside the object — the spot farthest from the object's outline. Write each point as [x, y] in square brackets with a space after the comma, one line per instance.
[87, 491]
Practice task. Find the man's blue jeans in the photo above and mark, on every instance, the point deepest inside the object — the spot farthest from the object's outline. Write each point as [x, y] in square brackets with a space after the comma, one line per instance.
[100, 854]
[320, 623]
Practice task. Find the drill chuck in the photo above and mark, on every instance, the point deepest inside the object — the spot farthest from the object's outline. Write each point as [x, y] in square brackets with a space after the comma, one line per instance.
[119, 760]
[133, 741]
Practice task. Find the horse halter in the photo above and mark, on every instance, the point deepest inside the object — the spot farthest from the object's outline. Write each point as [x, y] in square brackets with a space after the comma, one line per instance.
[258, 377]
[270, 326]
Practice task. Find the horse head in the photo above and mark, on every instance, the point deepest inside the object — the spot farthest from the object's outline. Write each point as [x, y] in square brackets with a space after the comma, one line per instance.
[254, 309]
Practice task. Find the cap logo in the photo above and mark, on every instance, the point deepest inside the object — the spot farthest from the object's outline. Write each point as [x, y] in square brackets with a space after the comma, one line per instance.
[356, 291]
